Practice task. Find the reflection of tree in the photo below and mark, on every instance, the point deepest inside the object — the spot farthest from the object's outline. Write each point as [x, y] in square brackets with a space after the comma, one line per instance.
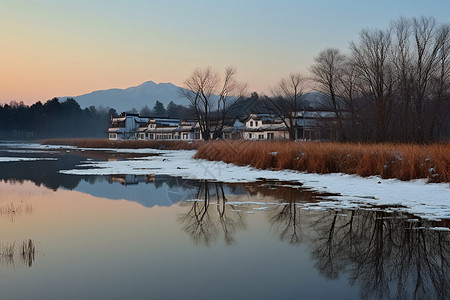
[288, 216]
[203, 224]
[44, 173]
[287, 219]
[388, 256]
[331, 242]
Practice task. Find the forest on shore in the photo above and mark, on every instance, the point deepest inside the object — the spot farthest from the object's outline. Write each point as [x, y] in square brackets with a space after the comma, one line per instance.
[54, 119]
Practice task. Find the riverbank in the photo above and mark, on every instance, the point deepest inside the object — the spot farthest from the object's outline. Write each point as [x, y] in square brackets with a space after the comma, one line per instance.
[401, 161]
[124, 144]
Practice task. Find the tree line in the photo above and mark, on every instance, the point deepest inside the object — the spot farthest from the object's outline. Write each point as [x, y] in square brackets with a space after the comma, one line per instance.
[172, 110]
[397, 78]
[54, 118]
[392, 86]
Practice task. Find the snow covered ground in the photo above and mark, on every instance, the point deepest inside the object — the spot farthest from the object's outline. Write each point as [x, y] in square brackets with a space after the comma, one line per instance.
[430, 201]
[11, 159]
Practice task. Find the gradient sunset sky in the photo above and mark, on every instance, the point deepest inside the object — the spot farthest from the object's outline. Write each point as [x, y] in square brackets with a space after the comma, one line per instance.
[55, 48]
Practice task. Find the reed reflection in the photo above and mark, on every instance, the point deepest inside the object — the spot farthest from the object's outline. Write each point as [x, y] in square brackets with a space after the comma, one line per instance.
[13, 210]
[26, 252]
[210, 215]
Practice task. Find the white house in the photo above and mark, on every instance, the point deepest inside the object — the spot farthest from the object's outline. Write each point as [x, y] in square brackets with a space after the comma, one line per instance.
[125, 126]
[264, 127]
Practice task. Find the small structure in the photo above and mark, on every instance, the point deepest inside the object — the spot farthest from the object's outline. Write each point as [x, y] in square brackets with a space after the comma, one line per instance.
[317, 124]
[264, 127]
[126, 126]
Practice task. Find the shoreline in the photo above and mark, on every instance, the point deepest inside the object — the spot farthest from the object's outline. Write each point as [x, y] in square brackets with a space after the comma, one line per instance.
[400, 161]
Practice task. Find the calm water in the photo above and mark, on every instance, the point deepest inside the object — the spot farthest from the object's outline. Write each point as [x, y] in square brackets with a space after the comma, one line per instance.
[159, 237]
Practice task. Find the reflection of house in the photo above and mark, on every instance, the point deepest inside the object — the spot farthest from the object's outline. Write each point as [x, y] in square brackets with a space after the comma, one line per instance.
[127, 179]
[264, 127]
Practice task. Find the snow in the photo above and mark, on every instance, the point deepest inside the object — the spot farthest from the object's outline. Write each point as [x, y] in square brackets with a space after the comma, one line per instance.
[427, 200]
[439, 228]
[31, 151]
[13, 159]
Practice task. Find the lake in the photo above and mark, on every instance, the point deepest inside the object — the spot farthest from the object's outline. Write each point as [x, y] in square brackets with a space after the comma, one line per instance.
[154, 236]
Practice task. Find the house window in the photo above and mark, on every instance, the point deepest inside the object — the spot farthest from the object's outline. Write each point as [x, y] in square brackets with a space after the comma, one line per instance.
[150, 136]
[251, 123]
[256, 123]
[113, 136]
[250, 135]
[260, 136]
[270, 136]
[185, 136]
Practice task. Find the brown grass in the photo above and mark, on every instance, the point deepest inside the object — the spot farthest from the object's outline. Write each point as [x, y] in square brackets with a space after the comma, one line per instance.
[129, 144]
[402, 161]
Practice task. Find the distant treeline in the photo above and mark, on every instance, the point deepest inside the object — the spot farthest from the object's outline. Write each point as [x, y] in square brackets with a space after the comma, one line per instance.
[400, 76]
[53, 119]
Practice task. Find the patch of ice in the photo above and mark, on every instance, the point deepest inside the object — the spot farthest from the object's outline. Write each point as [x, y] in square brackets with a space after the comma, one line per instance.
[261, 208]
[245, 202]
[13, 159]
[30, 151]
[413, 220]
[439, 228]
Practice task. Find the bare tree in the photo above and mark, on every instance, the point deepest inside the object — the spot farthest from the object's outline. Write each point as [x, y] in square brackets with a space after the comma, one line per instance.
[402, 60]
[287, 100]
[212, 98]
[327, 70]
[442, 82]
[372, 58]
[421, 59]
[426, 57]
[351, 94]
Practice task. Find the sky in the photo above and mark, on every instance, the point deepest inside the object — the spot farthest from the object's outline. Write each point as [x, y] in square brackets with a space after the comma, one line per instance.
[56, 48]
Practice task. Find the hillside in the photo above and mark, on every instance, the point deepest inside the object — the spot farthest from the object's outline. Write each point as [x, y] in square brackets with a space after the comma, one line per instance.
[133, 97]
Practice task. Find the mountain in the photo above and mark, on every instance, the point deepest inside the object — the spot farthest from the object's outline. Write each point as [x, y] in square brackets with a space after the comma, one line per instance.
[134, 97]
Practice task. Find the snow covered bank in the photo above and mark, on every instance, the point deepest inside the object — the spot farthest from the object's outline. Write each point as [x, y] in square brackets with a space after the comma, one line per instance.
[430, 201]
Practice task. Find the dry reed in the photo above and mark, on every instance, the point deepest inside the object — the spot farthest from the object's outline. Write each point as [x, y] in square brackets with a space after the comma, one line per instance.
[129, 144]
[402, 161]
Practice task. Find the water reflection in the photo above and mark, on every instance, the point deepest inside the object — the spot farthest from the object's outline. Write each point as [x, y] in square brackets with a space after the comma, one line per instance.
[44, 172]
[287, 221]
[26, 252]
[13, 211]
[210, 214]
[387, 255]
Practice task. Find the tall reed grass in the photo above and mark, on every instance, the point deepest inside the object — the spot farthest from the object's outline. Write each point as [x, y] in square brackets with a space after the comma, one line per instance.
[402, 161]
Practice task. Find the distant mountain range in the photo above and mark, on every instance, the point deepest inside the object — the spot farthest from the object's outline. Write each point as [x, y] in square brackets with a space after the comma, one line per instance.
[134, 97]
[149, 92]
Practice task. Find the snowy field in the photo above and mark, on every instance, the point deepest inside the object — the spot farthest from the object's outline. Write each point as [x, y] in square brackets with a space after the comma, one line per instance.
[427, 200]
